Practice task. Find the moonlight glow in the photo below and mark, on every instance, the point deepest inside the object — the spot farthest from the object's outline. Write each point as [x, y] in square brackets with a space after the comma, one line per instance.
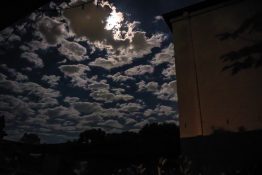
[114, 20]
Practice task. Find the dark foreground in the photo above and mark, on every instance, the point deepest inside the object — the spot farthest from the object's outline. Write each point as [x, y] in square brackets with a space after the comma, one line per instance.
[155, 150]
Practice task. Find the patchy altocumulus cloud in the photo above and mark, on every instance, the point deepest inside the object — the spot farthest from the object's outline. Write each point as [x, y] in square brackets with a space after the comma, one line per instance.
[106, 96]
[72, 50]
[140, 70]
[150, 87]
[12, 73]
[165, 56]
[168, 92]
[87, 107]
[118, 77]
[77, 73]
[130, 107]
[60, 112]
[74, 70]
[45, 110]
[52, 80]
[15, 106]
[51, 30]
[106, 28]
[160, 110]
[111, 124]
[157, 19]
[33, 58]
[170, 71]
[70, 100]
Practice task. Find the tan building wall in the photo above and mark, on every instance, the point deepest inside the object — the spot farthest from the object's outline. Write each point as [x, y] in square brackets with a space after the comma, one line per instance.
[218, 52]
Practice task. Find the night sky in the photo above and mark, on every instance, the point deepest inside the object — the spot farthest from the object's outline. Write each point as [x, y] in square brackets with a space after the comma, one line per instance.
[109, 66]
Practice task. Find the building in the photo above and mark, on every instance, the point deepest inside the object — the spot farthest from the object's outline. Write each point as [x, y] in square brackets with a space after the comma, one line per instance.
[218, 47]
[218, 52]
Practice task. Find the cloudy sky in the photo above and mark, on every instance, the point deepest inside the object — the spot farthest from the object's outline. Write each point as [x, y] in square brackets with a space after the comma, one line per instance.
[109, 66]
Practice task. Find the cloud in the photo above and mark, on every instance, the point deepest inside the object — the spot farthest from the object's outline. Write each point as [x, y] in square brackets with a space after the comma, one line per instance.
[36, 90]
[139, 47]
[168, 92]
[111, 124]
[157, 19]
[8, 39]
[160, 110]
[105, 113]
[77, 73]
[150, 87]
[165, 56]
[72, 50]
[21, 77]
[104, 63]
[92, 118]
[130, 107]
[141, 124]
[11, 86]
[4, 34]
[33, 45]
[130, 121]
[87, 107]
[2, 77]
[70, 100]
[96, 85]
[140, 70]
[106, 96]
[52, 80]
[12, 73]
[170, 71]
[31, 93]
[60, 112]
[118, 77]
[15, 106]
[51, 30]
[14, 38]
[89, 22]
[106, 28]
[33, 58]
[74, 70]
[103, 95]
[100, 91]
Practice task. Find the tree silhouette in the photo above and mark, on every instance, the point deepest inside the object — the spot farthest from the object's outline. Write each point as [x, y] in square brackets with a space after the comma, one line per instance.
[248, 56]
[92, 136]
[30, 139]
[2, 126]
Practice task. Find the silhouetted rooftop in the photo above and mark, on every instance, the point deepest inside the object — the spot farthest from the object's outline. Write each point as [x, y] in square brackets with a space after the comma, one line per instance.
[192, 8]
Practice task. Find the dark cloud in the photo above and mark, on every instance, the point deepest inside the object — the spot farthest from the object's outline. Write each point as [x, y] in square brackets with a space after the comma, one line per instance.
[89, 22]
[52, 80]
[87, 107]
[33, 58]
[51, 30]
